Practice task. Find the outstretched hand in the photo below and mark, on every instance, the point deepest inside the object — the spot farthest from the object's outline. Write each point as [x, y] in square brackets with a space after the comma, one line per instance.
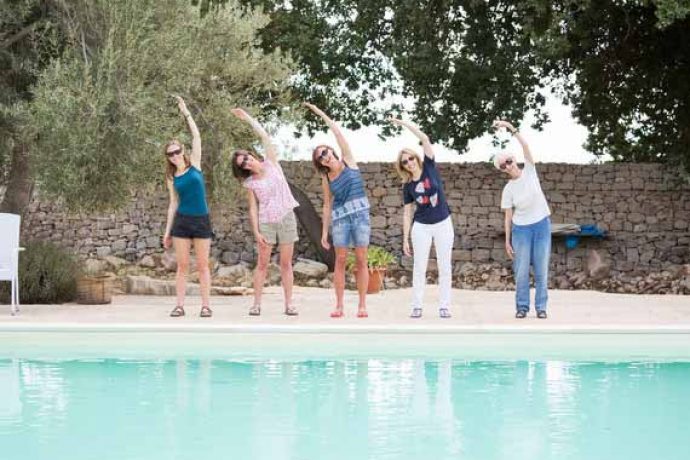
[181, 104]
[503, 124]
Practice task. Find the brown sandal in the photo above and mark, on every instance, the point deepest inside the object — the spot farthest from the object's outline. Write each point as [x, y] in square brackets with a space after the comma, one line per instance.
[205, 312]
[177, 311]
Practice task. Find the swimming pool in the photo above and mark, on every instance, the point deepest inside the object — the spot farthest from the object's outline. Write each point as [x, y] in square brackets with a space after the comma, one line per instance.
[392, 397]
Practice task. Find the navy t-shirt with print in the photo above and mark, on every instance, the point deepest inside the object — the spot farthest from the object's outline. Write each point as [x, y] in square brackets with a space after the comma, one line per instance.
[427, 192]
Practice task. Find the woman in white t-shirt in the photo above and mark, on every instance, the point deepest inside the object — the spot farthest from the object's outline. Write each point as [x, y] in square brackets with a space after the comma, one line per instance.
[527, 226]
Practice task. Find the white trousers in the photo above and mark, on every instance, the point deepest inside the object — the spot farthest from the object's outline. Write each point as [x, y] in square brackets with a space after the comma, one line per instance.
[442, 235]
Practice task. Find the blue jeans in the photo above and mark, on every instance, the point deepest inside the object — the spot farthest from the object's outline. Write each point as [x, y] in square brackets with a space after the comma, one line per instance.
[532, 247]
[352, 230]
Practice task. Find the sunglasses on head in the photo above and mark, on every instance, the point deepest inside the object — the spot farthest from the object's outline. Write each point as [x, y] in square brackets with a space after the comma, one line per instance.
[506, 163]
[172, 153]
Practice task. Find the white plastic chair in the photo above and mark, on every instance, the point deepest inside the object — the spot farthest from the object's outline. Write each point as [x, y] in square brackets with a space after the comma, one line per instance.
[9, 254]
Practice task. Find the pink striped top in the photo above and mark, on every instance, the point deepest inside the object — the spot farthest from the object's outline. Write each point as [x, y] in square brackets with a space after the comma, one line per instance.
[272, 192]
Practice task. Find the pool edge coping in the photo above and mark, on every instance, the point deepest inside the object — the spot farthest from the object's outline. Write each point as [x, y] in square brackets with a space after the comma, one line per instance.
[52, 327]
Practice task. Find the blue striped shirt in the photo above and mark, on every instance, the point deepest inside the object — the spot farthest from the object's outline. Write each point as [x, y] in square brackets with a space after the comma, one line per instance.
[348, 193]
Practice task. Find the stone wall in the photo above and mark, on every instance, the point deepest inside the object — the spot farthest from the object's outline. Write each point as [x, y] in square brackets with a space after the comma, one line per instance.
[644, 209]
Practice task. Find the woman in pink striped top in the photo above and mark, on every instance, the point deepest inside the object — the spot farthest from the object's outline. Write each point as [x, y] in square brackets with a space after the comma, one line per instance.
[271, 213]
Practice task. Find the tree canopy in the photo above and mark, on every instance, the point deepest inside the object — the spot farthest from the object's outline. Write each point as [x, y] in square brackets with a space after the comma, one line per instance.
[97, 108]
[623, 65]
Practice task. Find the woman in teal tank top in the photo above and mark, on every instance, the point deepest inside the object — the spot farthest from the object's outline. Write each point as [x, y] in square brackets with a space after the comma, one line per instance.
[346, 210]
[188, 221]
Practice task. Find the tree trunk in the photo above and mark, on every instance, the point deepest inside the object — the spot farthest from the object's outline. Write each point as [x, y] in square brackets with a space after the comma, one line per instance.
[311, 222]
[20, 185]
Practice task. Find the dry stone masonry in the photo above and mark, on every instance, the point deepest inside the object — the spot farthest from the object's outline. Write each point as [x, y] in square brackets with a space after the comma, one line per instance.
[644, 208]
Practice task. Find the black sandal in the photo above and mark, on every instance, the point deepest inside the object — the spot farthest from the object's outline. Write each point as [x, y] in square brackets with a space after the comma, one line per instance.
[541, 314]
[177, 311]
[205, 312]
[521, 314]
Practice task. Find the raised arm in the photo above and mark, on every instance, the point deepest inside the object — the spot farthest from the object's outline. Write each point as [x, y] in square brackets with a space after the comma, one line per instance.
[423, 138]
[525, 147]
[266, 141]
[195, 157]
[339, 137]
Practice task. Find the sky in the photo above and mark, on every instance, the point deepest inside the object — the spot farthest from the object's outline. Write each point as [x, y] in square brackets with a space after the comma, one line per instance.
[561, 141]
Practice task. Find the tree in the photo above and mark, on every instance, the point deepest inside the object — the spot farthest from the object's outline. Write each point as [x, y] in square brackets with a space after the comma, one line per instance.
[104, 109]
[30, 37]
[98, 111]
[622, 65]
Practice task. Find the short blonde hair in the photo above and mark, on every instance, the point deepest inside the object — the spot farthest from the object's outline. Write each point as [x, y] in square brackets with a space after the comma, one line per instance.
[501, 157]
[402, 172]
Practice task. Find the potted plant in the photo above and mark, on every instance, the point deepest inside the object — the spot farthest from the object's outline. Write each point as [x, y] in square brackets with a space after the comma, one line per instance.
[378, 260]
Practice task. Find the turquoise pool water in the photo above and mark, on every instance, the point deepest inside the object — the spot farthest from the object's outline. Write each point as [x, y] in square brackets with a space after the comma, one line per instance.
[392, 408]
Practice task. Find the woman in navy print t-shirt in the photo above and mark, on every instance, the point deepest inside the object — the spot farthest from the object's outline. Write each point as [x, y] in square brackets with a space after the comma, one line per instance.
[431, 222]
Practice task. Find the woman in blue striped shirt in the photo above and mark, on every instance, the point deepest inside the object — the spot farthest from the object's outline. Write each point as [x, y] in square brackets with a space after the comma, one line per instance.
[346, 210]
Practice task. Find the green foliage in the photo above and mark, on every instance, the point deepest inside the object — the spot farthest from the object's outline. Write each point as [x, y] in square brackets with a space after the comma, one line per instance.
[47, 275]
[623, 65]
[377, 258]
[103, 110]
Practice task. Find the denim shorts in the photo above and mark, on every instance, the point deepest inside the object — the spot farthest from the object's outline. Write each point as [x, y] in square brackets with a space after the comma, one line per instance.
[352, 230]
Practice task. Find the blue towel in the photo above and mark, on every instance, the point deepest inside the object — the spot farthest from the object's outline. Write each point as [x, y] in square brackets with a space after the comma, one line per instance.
[571, 241]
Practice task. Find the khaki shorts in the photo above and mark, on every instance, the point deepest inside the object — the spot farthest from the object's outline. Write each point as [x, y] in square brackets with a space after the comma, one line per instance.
[282, 232]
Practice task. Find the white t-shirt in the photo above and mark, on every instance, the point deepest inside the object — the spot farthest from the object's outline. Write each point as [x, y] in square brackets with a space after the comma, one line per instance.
[526, 197]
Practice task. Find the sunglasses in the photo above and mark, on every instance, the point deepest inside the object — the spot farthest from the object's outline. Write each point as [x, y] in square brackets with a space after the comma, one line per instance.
[245, 160]
[404, 161]
[505, 164]
[172, 153]
[322, 155]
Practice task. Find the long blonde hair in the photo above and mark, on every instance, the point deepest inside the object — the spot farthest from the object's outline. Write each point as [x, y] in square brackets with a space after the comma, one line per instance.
[402, 172]
[169, 167]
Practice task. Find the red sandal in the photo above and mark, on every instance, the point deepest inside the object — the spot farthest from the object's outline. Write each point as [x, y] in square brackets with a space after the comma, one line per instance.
[337, 313]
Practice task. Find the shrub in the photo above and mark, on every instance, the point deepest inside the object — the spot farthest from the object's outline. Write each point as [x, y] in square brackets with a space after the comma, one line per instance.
[377, 257]
[47, 274]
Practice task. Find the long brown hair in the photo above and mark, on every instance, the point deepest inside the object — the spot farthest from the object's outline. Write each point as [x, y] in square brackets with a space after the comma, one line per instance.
[170, 168]
[402, 172]
[317, 163]
[241, 173]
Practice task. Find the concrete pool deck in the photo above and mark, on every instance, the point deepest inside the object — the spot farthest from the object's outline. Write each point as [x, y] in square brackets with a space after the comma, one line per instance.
[478, 311]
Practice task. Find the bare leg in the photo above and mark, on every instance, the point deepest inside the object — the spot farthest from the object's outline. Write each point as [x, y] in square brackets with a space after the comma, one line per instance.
[202, 248]
[261, 270]
[286, 275]
[362, 278]
[339, 277]
[182, 247]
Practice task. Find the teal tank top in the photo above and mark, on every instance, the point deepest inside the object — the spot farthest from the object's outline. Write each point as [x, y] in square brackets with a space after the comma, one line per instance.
[191, 191]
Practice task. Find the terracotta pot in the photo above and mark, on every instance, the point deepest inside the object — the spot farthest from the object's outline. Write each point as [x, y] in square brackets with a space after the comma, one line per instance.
[376, 276]
[375, 280]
